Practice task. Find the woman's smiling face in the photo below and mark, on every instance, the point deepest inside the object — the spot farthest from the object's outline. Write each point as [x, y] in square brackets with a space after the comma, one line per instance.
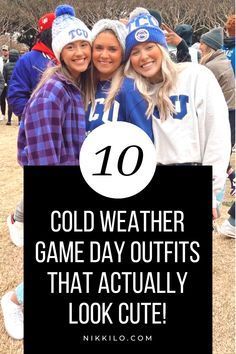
[146, 60]
[106, 54]
[76, 56]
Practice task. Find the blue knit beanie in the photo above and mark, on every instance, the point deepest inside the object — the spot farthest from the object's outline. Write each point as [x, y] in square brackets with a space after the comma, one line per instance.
[143, 28]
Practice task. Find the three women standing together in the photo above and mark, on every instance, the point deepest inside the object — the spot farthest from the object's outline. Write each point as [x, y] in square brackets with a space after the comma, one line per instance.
[120, 73]
[131, 78]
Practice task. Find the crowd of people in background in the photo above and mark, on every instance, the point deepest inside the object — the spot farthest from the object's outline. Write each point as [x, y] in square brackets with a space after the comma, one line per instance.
[137, 70]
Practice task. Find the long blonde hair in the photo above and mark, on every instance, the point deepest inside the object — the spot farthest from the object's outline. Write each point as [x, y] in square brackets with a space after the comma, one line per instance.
[116, 80]
[116, 83]
[207, 56]
[169, 71]
[84, 83]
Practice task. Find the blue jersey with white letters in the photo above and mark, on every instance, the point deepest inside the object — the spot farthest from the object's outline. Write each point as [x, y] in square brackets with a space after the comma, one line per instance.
[128, 106]
[96, 116]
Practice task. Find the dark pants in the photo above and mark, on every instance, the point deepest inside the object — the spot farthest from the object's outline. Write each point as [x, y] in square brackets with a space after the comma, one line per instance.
[231, 211]
[3, 101]
[232, 132]
[9, 114]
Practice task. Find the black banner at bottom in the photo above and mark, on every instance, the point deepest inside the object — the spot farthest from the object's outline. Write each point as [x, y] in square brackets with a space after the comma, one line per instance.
[103, 272]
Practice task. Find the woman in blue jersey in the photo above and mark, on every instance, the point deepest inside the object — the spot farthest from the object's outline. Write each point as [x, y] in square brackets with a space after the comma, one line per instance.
[108, 49]
[108, 52]
[181, 103]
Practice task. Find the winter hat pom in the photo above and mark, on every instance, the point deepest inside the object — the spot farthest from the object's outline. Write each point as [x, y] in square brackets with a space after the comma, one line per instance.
[138, 11]
[64, 10]
[67, 28]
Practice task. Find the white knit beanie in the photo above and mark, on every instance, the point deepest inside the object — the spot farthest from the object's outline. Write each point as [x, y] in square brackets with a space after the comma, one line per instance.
[66, 28]
[117, 27]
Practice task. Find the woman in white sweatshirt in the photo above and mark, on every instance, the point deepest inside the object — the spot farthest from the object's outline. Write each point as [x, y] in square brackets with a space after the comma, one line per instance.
[183, 101]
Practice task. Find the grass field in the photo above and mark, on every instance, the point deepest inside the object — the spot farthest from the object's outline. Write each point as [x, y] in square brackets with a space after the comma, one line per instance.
[11, 263]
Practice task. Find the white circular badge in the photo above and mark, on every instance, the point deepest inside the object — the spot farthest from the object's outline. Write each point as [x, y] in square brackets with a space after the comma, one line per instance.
[118, 160]
[141, 35]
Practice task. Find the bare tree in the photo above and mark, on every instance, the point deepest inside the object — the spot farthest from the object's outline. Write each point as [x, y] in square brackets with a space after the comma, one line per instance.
[16, 15]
